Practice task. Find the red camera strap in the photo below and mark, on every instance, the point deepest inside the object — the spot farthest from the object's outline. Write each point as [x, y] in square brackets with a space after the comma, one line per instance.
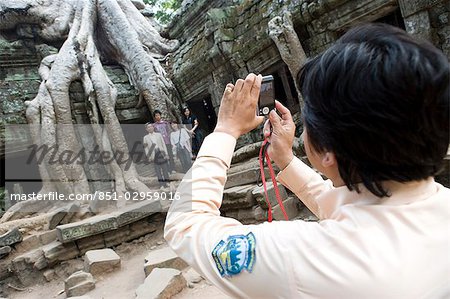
[263, 154]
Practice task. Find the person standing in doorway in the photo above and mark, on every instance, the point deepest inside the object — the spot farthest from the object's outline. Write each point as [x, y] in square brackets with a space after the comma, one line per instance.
[163, 127]
[192, 122]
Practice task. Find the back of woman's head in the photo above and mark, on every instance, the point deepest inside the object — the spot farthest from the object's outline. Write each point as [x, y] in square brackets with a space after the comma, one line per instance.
[379, 100]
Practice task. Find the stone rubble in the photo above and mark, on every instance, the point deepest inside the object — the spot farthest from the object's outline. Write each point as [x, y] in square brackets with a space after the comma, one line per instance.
[163, 258]
[79, 284]
[98, 262]
[11, 237]
[161, 283]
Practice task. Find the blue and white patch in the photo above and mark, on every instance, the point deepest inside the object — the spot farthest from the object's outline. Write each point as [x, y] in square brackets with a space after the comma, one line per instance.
[234, 255]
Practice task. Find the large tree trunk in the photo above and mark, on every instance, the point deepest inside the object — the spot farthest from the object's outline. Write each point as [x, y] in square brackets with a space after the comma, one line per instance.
[281, 31]
[90, 28]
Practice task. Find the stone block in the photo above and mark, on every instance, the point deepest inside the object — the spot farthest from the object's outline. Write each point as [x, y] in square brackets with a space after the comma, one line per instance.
[117, 237]
[47, 237]
[101, 261]
[85, 228]
[58, 252]
[90, 243]
[11, 237]
[258, 193]
[28, 243]
[163, 258]
[49, 274]
[24, 266]
[419, 25]
[56, 218]
[79, 284]
[137, 211]
[141, 228]
[290, 206]
[67, 268]
[4, 251]
[260, 214]
[409, 7]
[161, 283]
[238, 197]
[245, 177]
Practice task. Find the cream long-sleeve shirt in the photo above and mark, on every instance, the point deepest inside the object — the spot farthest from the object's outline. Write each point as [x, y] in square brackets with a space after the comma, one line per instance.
[156, 139]
[362, 247]
[181, 136]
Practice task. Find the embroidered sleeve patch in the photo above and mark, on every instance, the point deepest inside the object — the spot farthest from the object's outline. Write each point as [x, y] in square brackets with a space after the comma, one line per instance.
[234, 255]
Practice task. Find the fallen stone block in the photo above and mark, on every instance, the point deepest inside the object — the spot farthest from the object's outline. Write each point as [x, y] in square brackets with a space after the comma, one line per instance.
[101, 261]
[137, 211]
[25, 266]
[56, 217]
[47, 237]
[28, 243]
[163, 258]
[4, 251]
[58, 252]
[104, 223]
[85, 228]
[161, 284]
[79, 284]
[49, 275]
[11, 237]
[67, 268]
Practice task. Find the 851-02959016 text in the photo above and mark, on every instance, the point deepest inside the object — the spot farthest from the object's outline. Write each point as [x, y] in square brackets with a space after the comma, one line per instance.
[151, 195]
[98, 195]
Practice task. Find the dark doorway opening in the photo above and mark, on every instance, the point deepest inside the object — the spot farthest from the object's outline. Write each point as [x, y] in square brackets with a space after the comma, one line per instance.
[203, 109]
[395, 19]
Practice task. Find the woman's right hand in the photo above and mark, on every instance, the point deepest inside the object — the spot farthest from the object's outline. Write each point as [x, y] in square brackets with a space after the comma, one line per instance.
[282, 136]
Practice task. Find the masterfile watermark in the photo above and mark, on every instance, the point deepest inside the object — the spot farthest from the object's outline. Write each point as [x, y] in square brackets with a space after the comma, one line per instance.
[53, 155]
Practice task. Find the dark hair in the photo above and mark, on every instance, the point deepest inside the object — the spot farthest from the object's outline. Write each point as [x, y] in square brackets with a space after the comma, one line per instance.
[379, 100]
[156, 112]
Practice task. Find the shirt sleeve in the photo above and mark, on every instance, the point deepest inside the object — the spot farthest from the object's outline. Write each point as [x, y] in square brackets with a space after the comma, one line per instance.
[306, 184]
[237, 258]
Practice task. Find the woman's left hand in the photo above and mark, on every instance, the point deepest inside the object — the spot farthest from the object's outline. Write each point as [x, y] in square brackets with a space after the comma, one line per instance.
[237, 112]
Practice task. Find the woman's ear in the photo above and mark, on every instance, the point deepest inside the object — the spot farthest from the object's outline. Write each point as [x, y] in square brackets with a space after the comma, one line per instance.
[331, 169]
[328, 160]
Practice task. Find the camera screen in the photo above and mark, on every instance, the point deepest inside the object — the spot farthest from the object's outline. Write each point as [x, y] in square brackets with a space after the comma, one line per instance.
[267, 94]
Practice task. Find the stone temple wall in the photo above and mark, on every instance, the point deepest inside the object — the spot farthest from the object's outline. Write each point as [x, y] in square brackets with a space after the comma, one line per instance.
[222, 41]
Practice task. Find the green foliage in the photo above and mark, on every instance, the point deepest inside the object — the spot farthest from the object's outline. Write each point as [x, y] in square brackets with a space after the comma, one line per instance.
[164, 9]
